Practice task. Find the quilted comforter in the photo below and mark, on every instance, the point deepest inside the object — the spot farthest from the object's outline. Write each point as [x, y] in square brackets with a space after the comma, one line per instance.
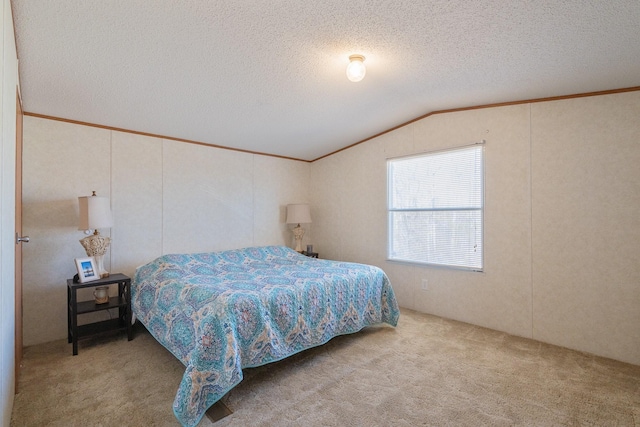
[221, 312]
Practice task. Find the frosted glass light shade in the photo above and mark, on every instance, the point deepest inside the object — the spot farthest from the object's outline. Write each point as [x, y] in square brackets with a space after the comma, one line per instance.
[95, 213]
[298, 214]
[356, 69]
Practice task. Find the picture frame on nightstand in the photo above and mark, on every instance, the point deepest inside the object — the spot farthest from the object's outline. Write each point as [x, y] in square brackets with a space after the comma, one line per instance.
[87, 270]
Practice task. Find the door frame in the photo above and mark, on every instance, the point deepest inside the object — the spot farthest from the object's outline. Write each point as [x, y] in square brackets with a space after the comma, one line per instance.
[18, 246]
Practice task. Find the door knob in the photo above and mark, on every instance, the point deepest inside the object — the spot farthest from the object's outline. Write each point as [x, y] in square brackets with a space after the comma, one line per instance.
[24, 239]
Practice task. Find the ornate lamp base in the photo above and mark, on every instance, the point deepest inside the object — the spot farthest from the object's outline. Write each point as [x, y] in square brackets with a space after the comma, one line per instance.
[96, 246]
[298, 232]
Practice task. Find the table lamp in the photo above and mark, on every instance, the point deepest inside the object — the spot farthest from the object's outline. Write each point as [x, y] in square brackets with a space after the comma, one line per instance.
[95, 213]
[298, 214]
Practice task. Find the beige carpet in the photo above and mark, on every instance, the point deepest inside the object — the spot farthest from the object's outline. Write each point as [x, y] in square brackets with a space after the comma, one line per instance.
[427, 372]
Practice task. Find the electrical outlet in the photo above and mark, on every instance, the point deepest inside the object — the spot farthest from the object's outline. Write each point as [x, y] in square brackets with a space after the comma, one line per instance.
[425, 285]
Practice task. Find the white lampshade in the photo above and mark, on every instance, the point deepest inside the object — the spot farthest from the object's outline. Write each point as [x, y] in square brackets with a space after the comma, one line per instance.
[95, 213]
[298, 214]
[356, 69]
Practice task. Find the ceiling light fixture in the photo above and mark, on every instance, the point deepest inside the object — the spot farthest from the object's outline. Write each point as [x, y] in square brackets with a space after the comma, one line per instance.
[356, 69]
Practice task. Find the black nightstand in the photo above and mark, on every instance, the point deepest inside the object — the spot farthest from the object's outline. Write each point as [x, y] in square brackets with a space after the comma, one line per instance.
[310, 254]
[122, 302]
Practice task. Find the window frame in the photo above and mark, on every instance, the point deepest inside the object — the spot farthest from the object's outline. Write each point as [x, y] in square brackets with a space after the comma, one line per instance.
[390, 210]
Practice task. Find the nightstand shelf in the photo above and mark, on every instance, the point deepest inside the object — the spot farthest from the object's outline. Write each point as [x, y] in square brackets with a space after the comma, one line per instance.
[122, 302]
[97, 328]
[91, 306]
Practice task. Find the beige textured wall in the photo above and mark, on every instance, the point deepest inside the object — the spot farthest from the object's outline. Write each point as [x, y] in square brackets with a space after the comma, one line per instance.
[586, 224]
[556, 173]
[60, 162]
[352, 222]
[166, 196]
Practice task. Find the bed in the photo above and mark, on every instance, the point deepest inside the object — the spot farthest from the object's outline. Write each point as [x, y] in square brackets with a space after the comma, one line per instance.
[220, 312]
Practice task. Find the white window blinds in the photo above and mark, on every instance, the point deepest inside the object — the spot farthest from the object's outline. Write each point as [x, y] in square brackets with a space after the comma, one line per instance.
[435, 205]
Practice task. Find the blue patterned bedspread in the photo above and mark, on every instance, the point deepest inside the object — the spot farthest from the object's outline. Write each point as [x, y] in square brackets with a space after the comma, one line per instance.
[223, 311]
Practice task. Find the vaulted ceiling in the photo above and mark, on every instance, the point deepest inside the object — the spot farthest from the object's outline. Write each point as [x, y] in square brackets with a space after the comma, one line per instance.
[269, 76]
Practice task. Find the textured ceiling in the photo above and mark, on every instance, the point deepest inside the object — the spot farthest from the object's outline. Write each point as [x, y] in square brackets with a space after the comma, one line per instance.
[269, 76]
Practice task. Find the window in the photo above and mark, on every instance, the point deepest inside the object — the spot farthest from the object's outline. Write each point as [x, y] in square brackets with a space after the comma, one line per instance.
[435, 205]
